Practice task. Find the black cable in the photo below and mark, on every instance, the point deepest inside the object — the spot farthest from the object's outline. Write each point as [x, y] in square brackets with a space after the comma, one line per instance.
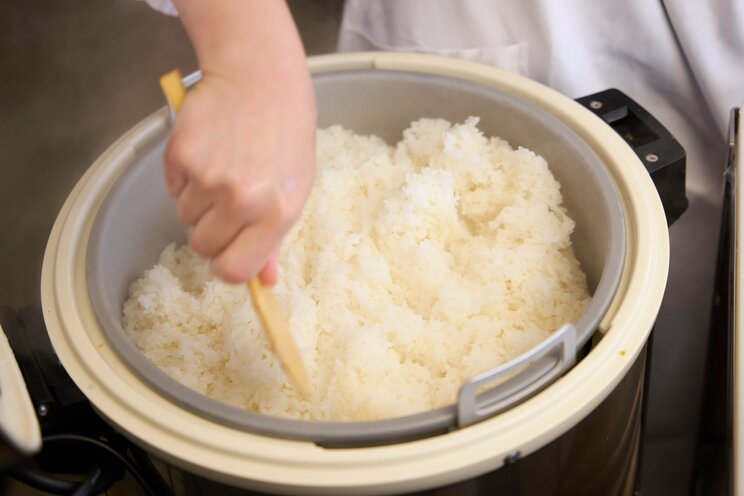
[88, 486]
[41, 481]
[100, 478]
[136, 473]
[112, 472]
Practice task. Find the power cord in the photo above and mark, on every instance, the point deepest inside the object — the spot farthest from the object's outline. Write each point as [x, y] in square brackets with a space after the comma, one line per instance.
[99, 478]
[42, 481]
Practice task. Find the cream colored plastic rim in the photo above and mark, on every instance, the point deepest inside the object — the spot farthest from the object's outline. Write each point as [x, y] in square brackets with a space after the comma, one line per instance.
[247, 460]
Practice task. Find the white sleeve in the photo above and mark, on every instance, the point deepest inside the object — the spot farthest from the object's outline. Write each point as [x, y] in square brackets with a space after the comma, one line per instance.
[164, 6]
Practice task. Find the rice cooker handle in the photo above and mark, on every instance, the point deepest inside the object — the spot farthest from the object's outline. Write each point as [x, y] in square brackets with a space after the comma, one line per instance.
[518, 379]
[661, 154]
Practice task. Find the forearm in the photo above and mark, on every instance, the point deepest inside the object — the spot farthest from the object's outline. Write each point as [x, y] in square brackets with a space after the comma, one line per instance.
[243, 36]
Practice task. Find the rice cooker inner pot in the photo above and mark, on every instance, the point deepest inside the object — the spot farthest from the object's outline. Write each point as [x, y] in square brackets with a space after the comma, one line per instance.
[137, 220]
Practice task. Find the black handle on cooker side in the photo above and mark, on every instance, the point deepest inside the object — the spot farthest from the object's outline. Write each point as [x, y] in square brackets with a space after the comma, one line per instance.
[660, 152]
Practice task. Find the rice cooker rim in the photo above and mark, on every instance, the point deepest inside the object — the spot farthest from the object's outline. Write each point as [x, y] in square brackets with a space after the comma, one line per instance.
[69, 319]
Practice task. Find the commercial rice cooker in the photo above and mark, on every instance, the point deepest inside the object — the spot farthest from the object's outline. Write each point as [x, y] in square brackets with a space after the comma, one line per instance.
[564, 418]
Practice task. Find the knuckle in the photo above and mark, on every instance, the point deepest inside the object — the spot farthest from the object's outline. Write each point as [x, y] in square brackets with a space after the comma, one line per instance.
[182, 157]
[231, 270]
[207, 179]
[177, 154]
[240, 197]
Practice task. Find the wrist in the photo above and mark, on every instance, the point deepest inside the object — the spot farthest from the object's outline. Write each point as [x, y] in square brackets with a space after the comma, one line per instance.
[240, 38]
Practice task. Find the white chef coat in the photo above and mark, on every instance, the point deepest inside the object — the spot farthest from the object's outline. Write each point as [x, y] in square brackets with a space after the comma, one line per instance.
[164, 6]
[684, 62]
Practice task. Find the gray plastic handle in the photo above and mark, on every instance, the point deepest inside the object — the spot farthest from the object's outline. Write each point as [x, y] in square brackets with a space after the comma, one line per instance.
[544, 364]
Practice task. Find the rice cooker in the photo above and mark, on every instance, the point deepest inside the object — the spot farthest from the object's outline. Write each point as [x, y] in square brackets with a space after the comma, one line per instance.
[564, 418]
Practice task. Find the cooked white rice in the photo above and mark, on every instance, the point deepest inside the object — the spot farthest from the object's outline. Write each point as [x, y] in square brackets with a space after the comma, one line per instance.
[413, 268]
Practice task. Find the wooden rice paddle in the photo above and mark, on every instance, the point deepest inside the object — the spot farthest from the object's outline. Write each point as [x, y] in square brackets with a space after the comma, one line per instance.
[264, 302]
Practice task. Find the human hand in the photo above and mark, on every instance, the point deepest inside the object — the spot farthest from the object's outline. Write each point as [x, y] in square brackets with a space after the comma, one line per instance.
[240, 159]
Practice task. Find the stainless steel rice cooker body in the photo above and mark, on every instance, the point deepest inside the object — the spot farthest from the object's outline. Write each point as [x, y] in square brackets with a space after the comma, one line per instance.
[119, 218]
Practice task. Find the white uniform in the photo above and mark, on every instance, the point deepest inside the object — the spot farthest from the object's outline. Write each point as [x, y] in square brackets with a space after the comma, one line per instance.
[683, 61]
[164, 6]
